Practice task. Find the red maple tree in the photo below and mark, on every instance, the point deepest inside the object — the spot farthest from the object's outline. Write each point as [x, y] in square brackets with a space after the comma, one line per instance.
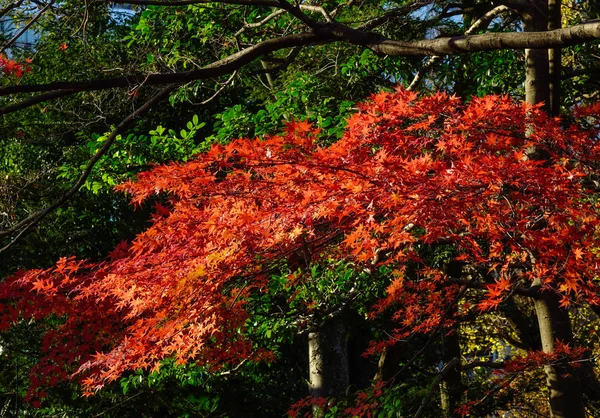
[509, 187]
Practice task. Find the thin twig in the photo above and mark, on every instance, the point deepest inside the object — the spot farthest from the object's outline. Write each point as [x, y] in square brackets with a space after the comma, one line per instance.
[445, 370]
[223, 87]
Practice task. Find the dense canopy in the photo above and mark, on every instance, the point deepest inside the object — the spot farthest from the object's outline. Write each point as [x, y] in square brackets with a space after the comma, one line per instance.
[503, 182]
[417, 241]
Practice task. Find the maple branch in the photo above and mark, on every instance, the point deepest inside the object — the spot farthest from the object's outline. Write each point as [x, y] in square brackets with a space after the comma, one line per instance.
[35, 218]
[433, 334]
[530, 292]
[332, 32]
[120, 403]
[455, 363]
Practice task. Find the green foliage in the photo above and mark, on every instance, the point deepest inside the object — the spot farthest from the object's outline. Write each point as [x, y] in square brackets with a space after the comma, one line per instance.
[131, 154]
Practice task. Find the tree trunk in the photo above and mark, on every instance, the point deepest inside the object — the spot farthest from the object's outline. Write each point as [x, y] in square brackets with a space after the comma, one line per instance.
[554, 59]
[451, 388]
[537, 76]
[564, 389]
[554, 323]
[329, 374]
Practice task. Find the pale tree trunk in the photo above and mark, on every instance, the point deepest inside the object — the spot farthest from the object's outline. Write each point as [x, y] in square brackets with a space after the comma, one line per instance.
[542, 84]
[537, 75]
[554, 59]
[329, 373]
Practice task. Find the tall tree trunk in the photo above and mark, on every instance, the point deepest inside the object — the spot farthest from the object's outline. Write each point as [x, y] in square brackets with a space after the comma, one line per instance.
[451, 389]
[537, 76]
[329, 374]
[554, 58]
[554, 323]
[563, 386]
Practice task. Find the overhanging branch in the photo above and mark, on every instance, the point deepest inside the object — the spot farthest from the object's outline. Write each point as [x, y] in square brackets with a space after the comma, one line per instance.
[216, 69]
[176, 3]
[328, 33]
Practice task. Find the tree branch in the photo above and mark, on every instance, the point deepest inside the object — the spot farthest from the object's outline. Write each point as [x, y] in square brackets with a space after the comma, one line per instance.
[216, 69]
[481, 23]
[259, 23]
[470, 43]
[8, 8]
[178, 3]
[455, 362]
[57, 94]
[331, 32]
[323, 34]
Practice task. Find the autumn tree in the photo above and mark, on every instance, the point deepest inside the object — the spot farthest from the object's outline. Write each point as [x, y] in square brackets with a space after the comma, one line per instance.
[409, 173]
[270, 44]
[311, 25]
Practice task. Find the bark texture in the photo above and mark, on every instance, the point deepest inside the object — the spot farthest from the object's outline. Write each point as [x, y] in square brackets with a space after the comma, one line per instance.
[565, 395]
[554, 58]
[329, 373]
[451, 388]
[563, 386]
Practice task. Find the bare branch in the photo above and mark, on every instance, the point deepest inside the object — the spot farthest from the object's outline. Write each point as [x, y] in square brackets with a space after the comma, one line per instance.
[317, 9]
[223, 87]
[259, 23]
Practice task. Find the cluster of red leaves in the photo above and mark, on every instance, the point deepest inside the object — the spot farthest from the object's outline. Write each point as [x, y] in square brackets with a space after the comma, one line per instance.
[78, 329]
[562, 354]
[11, 67]
[366, 403]
[305, 407]
[409, 171]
